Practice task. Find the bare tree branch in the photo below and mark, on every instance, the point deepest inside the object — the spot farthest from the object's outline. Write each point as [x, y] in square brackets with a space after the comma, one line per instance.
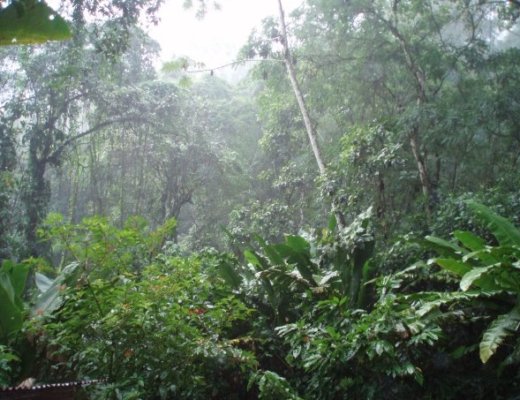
[54, 156]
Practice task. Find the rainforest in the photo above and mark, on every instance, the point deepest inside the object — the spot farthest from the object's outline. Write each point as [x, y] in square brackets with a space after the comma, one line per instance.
[340, 222]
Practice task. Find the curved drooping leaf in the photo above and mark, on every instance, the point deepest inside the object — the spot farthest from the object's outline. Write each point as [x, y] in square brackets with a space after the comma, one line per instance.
[49, 300]
[7, 286]
[497, 332]
[476, 273]
[272, 253]
[29, 22]
[254, 260]
[298, 244]
[470, 240]
[426, 302]
[296, 250]
[11, 317]
[50, 297]
[43, 283]
[444, 247]
[459, 268]
[485, 255]
[505, 232]
[12, 283]
[230, 275]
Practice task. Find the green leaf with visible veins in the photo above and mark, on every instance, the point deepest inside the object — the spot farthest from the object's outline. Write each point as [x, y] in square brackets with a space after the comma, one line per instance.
[499, 329]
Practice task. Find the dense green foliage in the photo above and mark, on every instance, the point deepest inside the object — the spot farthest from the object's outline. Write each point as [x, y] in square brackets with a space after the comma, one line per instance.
[174, 238]
[154, 325]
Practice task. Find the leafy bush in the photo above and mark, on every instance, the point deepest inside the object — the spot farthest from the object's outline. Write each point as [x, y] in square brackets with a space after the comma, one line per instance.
[341, 351]
[454, 214]
[7, 359]
[492, 270]
[417, 338]
[153, 327]
[272, 386]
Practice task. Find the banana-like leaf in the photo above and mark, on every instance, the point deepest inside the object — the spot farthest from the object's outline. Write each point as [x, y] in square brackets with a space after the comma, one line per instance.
[435, 300]
[43, 283]
[484, 255]
[470, 240]
[497, 332]
[505, 232]
[253, 259]
[7, 286]
[12, 283]
[476, 273]
[272, 253]
[298, 244]
[50, 300]
[29, 22]
[297, 255]
[11, 317]
[51, 290]
[459, 268]
[230, 275]
[325, 279]
[18, 275]
[444, 247]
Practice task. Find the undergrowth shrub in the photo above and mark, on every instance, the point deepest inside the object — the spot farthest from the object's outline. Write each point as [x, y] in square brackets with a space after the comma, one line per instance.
[151, 325]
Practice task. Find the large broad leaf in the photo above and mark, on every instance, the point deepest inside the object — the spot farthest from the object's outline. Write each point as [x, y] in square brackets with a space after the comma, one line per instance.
[476, 274]
[302, 264]
[296, 251]
[10, 313]
[11, 316]
[459, 268]
[333, 223]
[49, 300]
[497, 332]
[7, 286]
[29, 22]
[230, 275]
[273, 255]
[485, 255]
[50, 297]
[19, 274]
[252, 258]
[439, 299]
[43, 283]
[298, 244]
[505, 232]
[444, 247]
[12, 283]
[470, 240]
[50, 294]
[13, 278]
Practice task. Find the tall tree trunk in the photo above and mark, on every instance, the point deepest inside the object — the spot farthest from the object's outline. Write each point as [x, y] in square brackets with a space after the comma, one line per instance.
[73, 198]
[122, 187]
[143, 146]
[7, 167]
[94, 185]
[421, 98]
[340, 218]
[36, 198]
[424, 176]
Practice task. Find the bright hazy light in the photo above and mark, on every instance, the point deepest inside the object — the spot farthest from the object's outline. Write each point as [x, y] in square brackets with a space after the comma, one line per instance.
[215, 39]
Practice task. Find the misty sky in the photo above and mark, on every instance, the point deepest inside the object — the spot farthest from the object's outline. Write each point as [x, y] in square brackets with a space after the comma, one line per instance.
[215, 39]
